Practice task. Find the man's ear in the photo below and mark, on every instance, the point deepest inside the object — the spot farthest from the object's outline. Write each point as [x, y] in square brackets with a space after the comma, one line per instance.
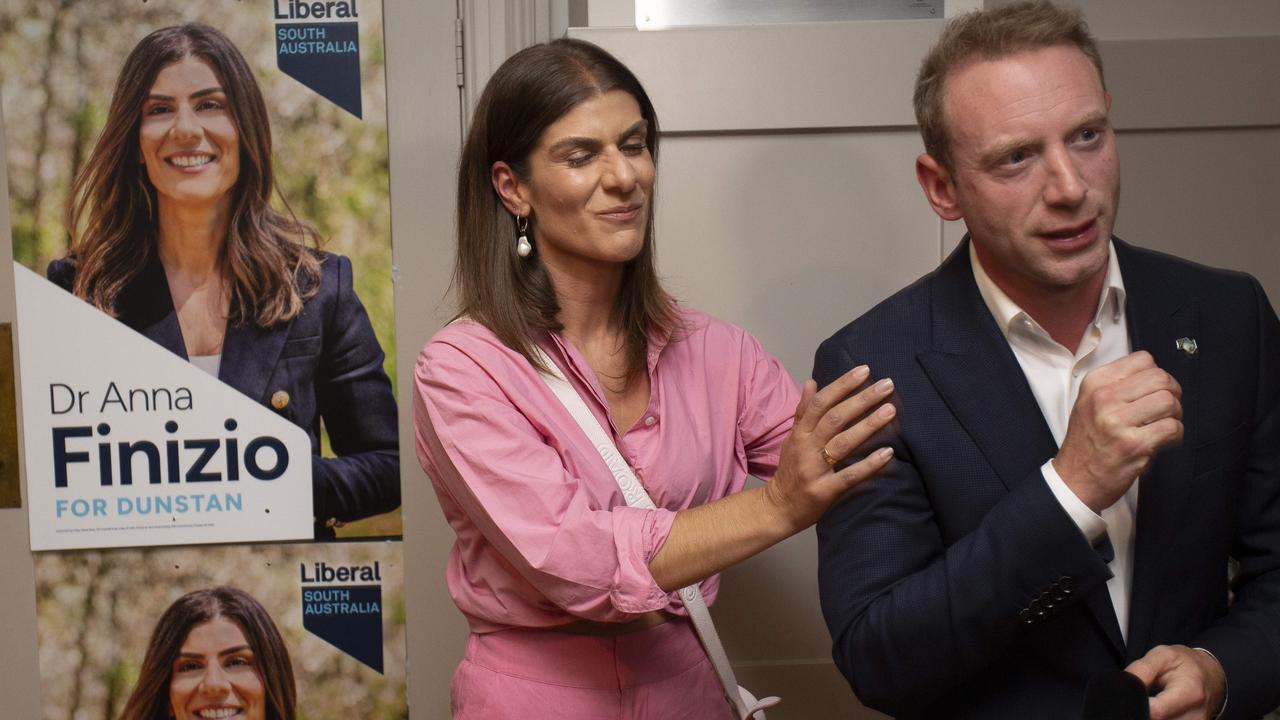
[939, 189]
[510, 188]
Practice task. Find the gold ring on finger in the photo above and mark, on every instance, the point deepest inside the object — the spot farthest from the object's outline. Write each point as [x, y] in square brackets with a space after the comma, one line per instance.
[831, 462]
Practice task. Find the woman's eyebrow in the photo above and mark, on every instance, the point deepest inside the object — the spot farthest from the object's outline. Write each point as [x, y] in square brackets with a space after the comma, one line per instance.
[197, 94]
[640, 127]
[573, 141]
[228, 651]
[590, 143]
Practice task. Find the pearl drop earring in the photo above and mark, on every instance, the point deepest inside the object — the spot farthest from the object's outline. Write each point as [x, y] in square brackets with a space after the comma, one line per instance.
[523, 246]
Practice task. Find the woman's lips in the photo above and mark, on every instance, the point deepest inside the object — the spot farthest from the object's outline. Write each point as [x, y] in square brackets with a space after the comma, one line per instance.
[624, 213]
[190, 161]
[217, 713]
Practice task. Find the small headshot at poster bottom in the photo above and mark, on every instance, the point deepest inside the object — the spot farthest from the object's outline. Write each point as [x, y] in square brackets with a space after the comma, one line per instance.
[289, 631]
[174, 232]
[215, 652]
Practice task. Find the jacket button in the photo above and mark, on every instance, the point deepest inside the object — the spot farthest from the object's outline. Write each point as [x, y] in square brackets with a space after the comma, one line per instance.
[279, 399]
[1026, 617]
[1067, 584]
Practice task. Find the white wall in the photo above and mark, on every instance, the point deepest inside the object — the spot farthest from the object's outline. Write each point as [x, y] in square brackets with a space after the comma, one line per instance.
[1146, 19]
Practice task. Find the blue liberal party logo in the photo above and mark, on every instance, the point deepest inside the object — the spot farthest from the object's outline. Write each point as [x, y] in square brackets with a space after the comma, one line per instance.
[324, 56]
[343, 613]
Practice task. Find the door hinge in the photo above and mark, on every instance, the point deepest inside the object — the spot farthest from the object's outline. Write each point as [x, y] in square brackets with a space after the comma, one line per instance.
[458, 60]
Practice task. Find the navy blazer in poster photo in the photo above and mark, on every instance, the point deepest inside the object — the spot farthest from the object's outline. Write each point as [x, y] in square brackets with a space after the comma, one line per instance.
[328, 364]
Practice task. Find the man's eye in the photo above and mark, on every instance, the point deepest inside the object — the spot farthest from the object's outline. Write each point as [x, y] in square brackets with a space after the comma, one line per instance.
[1017, 156]
[1088, 135]
[579, 159]
[634, 148]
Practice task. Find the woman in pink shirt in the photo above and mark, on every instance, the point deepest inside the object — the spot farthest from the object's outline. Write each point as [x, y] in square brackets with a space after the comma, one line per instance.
[569, 592]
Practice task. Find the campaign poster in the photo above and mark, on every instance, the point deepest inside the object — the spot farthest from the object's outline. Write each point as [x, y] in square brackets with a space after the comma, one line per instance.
[316, 630]
[200, 218]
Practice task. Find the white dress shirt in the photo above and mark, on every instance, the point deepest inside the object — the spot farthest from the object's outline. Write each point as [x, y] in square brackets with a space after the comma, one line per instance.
[1055, 374]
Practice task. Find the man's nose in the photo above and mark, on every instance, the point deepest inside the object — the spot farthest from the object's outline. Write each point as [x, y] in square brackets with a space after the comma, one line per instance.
[1064, 184]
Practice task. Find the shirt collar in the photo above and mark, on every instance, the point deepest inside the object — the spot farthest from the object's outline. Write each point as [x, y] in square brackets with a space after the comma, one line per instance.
[658, 341]
[1006, 311]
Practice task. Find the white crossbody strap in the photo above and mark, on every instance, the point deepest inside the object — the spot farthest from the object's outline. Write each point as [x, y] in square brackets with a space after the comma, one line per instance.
[744, 703]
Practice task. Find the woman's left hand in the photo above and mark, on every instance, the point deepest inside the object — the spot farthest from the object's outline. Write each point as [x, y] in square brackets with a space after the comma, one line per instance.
[830, 425]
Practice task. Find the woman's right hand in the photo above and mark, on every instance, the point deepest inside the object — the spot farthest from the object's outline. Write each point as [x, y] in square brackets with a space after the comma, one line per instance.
[830, 425]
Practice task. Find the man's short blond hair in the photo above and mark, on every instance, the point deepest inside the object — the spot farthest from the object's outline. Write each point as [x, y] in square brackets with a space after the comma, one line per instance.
[990, 35]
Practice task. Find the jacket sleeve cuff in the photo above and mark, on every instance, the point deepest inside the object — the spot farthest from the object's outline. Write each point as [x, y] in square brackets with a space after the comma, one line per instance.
[1226, 687]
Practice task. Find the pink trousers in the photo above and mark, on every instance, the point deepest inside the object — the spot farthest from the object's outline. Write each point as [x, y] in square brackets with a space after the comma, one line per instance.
[657, 674]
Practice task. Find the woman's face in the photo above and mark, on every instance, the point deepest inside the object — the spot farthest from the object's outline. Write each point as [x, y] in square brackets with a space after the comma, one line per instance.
[590, 182]
[188, 137]
[216, 675]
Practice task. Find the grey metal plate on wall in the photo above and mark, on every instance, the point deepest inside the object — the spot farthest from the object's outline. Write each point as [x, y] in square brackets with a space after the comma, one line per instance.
[659, 14]
[10, 493]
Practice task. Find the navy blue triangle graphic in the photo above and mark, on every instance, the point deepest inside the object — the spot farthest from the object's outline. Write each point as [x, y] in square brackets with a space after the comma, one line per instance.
[325, 57]
[349, 617]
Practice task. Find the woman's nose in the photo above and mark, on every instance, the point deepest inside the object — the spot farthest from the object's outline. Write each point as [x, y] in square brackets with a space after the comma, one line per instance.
[185, 125]
[214, 682]
[619, 173]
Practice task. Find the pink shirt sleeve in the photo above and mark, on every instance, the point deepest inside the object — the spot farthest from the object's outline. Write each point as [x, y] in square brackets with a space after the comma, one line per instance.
[495, 449]
[767, 402]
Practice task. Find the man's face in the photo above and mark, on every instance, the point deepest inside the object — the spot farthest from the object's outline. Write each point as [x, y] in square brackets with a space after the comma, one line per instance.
[1036, 175]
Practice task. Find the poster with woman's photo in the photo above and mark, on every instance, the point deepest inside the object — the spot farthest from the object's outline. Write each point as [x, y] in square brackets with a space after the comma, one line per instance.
[298, 630]
[200, 218]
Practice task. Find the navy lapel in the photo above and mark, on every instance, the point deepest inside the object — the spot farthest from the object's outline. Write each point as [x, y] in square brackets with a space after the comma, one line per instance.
[977, 375]
[250, 354]
[147, 307]
[1158, 317]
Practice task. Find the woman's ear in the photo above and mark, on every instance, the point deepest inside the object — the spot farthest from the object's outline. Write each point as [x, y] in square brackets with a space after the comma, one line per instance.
[510, 188]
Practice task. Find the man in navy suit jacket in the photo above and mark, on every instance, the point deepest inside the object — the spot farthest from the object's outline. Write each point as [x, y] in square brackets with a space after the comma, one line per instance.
[1088, 433]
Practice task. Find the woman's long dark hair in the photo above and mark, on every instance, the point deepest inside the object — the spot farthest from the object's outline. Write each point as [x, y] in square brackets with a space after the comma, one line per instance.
[112, 213]
[514, 296]
[150, 697]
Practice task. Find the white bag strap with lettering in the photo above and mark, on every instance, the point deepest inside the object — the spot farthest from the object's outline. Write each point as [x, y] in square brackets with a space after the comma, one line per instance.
[744, 703]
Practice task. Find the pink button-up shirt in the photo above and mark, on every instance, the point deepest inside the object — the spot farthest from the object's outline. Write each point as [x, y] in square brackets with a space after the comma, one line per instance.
[544, 534]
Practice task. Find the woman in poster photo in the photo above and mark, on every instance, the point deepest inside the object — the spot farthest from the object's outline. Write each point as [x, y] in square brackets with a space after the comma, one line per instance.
[214, 653]
[174, 234]
[570, 593]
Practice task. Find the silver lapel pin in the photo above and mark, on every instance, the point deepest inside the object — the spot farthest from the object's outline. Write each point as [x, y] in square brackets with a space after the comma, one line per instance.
[1187, 345]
